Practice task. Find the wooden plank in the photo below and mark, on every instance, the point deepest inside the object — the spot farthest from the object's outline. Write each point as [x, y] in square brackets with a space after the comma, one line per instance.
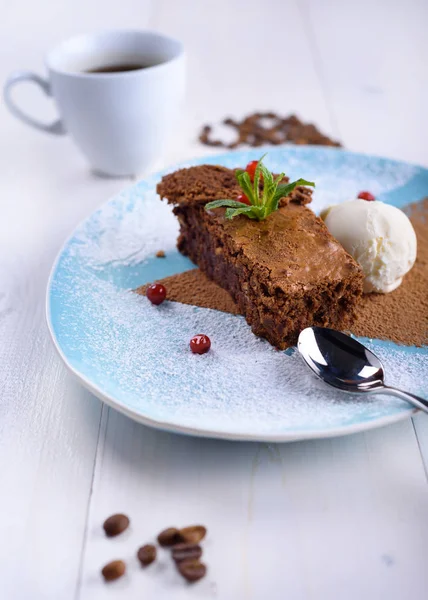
[242, 57]
[420, 423]
[371, 58]
[49, 425]
[48, 438]
[378, 91]
[343, 518]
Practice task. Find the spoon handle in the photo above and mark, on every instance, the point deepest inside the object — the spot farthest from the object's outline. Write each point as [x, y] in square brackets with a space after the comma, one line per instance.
[415, 400]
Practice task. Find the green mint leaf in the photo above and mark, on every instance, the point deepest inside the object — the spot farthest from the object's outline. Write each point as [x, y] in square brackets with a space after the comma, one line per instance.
[285, 189]
[276, 184]
[259, 213]
[267, 175]
[256, 182]
[234, 212]
[268, 186]
[278, 179]
[245, 184]
[263, 203]
[224, 202]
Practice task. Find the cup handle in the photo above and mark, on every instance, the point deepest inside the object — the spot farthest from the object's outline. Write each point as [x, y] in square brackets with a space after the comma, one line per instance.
[57, 127]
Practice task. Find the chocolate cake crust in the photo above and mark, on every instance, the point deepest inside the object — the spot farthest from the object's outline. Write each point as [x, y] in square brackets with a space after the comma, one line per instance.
[285, 273]
[202, 184]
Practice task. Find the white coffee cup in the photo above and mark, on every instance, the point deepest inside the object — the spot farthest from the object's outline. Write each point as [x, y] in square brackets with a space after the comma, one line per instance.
[120, 120]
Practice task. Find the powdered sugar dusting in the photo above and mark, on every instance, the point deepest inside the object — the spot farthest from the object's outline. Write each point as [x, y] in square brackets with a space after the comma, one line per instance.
[242, 383]
[138, 354]
[127, 230]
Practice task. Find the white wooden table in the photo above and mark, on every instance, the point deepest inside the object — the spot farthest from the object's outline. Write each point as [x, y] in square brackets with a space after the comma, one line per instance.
[338, 519]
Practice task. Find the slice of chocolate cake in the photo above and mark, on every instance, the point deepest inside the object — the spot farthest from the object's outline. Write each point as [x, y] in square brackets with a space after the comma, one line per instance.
[285, 272]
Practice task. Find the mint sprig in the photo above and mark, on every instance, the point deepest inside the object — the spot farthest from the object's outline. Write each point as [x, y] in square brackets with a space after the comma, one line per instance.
[262, 202]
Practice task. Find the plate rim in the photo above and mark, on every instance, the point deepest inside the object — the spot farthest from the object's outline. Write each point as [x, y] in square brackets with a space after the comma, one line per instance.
[203, 432]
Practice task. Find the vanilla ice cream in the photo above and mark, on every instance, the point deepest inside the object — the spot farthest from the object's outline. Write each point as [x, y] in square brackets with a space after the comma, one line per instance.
[379, 236]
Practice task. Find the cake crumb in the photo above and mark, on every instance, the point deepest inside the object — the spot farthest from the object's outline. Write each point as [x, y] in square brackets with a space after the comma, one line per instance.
[160, 254]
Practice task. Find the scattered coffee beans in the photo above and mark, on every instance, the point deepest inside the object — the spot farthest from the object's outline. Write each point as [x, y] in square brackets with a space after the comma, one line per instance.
[185, 551]
[146, 554]
[268, 128]
[193, 534]
[113, 570]
[169, 537]
[115, 525]
[191, 569]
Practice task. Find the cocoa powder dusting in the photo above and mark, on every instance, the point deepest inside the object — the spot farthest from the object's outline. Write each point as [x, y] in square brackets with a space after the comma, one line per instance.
[193, 287]
[400, 316]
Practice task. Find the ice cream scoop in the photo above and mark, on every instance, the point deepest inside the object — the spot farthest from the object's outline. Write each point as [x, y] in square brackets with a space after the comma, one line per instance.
[379, 236]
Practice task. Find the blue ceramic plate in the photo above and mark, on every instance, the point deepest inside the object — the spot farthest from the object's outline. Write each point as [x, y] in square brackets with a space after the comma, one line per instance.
[135, 356]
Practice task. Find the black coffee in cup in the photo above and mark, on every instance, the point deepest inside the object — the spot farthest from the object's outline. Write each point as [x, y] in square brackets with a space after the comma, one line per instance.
[118, 68]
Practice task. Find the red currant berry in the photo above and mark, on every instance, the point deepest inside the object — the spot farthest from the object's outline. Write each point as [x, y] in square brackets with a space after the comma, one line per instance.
[199, 344]
[156, 293]
[243, 198]
[251, 168]
[366, 196]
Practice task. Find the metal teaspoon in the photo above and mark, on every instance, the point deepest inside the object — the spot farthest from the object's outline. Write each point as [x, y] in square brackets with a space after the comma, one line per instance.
[344, 363]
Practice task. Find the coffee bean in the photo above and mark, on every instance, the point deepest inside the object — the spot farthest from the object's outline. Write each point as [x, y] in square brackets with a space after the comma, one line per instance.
[113, 570]
[169, 537]
[115, 525]
[192, 569]
[146, 554]
[193, 534]
[184, 551]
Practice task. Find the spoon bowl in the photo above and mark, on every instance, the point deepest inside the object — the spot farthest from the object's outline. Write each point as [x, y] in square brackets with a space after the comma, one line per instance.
[344, 363]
